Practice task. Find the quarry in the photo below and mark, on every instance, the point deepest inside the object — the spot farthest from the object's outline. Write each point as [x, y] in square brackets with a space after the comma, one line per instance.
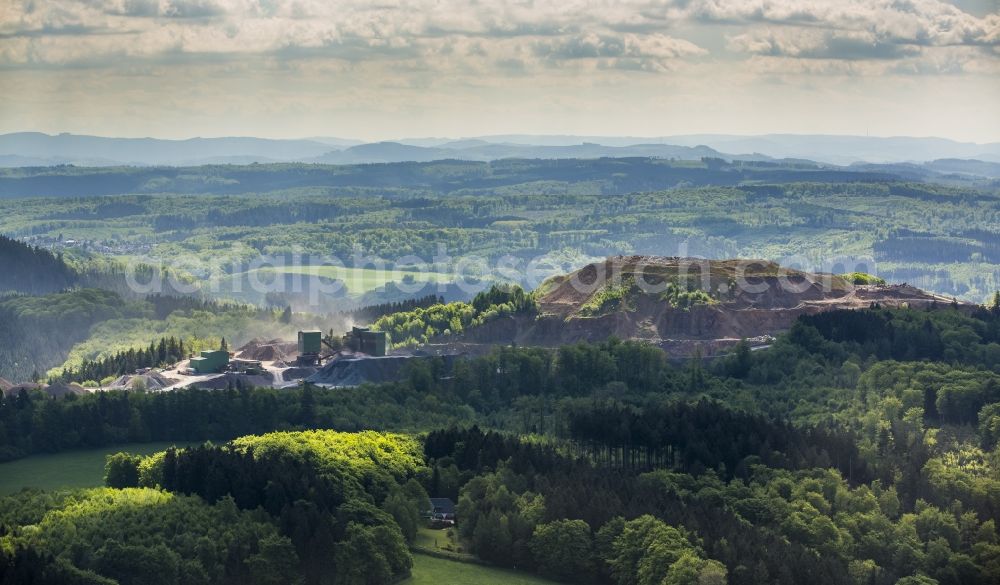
[687, 307]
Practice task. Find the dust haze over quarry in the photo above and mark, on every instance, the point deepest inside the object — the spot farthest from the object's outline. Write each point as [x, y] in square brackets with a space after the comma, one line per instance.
[688, 306]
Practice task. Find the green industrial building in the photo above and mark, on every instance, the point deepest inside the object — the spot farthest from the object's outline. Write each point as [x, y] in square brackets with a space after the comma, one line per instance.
[310, 342]
[210, 362]
[364, 340]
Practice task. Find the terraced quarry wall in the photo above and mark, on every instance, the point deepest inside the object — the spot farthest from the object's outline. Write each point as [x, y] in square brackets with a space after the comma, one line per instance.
[686, 305]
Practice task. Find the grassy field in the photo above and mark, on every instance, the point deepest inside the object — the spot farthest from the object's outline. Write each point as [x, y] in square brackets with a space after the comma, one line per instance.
[70, 469]
[436, 539]
[428, 570]
[359, 280]
[442, 541]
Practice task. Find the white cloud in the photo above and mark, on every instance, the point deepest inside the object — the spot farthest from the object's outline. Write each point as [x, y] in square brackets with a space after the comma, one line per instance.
[918, 22]
[61, 32]
[353, 31]
[820, 44]
[673, 61]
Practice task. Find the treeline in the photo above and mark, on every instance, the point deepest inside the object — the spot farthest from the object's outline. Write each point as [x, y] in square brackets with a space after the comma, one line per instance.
[934, 250]
[31, 270]
[106, 210]
[165, 351]
[164, 305]
[704, 436]
[936, 335]
[31, 422]
[524, 209]
[423, 324]
[253, 215]
[372, 313]
[945, 333]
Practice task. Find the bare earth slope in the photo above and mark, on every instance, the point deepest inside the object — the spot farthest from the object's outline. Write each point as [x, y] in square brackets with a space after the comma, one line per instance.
[686, 305]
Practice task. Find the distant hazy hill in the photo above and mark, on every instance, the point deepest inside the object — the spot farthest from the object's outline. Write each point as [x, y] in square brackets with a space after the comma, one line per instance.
[846, 149]
[480, 150]
[38, 148]
[966, 167]
[615, 175]
[826, 148]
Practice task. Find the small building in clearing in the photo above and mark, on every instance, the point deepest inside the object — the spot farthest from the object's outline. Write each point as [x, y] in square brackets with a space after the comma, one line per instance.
[442, 509]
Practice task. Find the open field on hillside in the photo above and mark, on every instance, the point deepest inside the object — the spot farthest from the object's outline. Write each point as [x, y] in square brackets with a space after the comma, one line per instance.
[429, 570]
[71, 469]
[358, 280]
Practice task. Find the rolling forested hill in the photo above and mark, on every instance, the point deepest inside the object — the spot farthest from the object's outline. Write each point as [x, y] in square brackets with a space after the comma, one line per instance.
[939, 235]
[615, 176]
[860, 447]
[31, 270]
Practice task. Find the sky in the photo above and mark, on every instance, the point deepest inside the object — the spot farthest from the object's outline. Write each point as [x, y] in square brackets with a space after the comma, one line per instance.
[387, 69]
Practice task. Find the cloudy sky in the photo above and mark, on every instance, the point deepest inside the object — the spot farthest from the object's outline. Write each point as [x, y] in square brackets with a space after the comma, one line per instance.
[384, 69]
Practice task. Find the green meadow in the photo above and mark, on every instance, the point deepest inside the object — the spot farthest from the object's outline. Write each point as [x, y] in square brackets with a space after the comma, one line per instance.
[428, 570]
[72, 469]
[358, 280]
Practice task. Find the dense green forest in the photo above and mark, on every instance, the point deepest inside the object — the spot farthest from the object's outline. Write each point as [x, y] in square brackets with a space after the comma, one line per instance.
[32, 270]
[106, 536]
[614, 174]
[317, 507]
[424, 323]
[862, 447]
[36, 333]
[217, 221]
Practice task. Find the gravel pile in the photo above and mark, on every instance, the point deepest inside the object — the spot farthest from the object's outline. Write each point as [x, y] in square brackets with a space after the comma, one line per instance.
[268, 351]
[222, 382]
[149, 381]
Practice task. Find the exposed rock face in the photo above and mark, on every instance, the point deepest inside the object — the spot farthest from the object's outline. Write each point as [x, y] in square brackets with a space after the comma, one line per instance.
[686, 305]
